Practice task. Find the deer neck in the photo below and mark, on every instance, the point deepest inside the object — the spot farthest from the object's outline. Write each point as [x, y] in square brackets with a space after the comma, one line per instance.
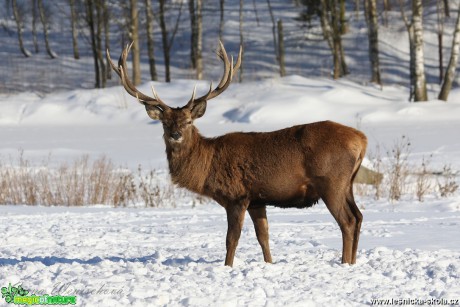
[189, 161]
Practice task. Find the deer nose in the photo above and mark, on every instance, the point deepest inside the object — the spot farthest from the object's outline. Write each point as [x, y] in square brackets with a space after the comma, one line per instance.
[176, 135]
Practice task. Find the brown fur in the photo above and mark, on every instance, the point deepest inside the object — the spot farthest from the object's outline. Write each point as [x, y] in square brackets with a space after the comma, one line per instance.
[292, 167]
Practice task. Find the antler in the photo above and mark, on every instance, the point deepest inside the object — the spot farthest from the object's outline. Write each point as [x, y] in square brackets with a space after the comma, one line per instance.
[229, 71]
[121, 71]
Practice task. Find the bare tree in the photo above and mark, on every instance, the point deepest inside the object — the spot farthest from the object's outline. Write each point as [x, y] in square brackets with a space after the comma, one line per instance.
[446, 8]
[106, 25]
[45, 20]
[90, 20]
[34, 25]
[373, 35]
[343, 19]
[386, 8]
[281, 48]
[420, 80]
[150, 41]
[99, 47]
[134, 33]
[331, 26]
[19, 18]
[166, 38]
[254, 4]
[193, 32]
[275, 40]
[199, 39]
[440, 12]
[418, 90]
[452, 66]
[196, 36]
[221, 23]
[73, 23]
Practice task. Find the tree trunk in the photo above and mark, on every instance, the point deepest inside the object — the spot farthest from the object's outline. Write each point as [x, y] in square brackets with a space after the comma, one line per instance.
[44, 20]
[34, 25]
[168, 41]
[193, 33]
[150, 41]
[73, 23]
[386, 8]
[20, 26]
[451, 68]
[255, 11]
[164, 38]
[221, 23]
[371, 12]
[199, 39]
[325, 24]
[330, 24]
[420, 90]
[446, 8]
[440, 33]
[275, 43]
[281, 48]
[106, 22]
[90, 21]
[99, 28]
[135, 39]
[343, 20]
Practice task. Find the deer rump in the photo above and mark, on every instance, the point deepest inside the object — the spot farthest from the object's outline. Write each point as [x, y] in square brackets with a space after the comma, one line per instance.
[284, 168]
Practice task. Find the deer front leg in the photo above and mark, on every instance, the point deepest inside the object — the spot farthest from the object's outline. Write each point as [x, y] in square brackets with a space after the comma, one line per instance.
[235, 219]
[259, 218]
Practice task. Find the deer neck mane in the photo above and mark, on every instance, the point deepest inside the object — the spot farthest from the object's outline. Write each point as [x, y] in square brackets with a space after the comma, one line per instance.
[189, 161]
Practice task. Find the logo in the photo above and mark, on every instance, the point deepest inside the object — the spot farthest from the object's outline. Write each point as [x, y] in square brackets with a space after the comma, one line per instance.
[19, 296]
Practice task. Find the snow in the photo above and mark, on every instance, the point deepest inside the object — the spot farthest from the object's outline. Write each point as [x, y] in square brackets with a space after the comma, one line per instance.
[175, 257]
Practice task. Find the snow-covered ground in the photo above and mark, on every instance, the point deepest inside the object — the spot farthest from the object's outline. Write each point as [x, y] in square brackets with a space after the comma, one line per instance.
[174, 256]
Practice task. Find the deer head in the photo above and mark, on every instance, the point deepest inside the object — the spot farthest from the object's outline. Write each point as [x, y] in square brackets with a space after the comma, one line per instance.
[177, 122]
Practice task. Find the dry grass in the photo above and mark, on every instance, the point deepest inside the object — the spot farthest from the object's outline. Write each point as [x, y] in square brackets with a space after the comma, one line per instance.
[84, 182]
[403, 176]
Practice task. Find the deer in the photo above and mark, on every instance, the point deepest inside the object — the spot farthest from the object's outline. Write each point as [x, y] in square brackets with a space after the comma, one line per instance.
[248, 171]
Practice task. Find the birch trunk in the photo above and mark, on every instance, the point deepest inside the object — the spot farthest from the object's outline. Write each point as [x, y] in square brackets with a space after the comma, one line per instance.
[45, 23]
[20, 26]
[420, 92]
[450, 71]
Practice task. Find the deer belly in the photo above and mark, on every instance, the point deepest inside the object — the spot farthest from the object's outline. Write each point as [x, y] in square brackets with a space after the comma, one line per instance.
[301, 195]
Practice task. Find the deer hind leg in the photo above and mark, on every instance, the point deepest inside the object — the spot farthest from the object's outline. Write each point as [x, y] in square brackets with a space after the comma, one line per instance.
[336, 202]
[259, 218]
[359, 219]
[235, 219]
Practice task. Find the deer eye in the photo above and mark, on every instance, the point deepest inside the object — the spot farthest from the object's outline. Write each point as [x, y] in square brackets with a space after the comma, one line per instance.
[189, 122]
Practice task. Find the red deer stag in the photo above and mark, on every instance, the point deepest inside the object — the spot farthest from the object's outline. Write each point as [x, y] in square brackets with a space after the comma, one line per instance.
[292, 167]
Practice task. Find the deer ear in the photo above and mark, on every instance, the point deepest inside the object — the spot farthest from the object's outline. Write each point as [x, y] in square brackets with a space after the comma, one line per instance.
[154, 112]
[198, 109]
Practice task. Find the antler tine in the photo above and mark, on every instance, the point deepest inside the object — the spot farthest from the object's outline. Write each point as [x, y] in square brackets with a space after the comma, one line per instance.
[227, 76]
[121, 71]
[192, 100]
